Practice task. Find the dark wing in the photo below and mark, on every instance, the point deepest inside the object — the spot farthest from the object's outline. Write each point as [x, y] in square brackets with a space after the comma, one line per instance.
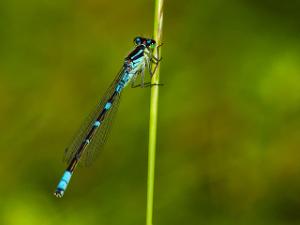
[102, 131]
[101, 134]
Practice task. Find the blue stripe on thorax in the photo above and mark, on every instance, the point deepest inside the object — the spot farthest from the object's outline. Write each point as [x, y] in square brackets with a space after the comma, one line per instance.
[131, 67]
[138, 60]
[137, 55]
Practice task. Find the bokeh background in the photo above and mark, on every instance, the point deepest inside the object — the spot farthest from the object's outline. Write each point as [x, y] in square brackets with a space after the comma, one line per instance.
[229, 127]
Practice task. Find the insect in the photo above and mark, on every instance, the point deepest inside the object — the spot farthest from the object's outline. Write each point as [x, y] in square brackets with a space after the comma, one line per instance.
[94, 132]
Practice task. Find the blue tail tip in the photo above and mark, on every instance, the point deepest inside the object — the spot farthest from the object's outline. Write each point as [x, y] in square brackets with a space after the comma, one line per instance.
[59, 193]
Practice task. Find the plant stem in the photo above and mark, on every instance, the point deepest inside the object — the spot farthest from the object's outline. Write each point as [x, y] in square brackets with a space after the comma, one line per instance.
[158, 21]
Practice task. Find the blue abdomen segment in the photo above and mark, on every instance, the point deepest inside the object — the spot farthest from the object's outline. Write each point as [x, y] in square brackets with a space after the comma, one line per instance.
[122, 83]
[97, 123]
[119, 88]
[107, 106]
[63, 183]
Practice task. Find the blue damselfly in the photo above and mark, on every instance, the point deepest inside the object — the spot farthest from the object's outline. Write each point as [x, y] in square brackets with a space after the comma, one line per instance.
[93, 134]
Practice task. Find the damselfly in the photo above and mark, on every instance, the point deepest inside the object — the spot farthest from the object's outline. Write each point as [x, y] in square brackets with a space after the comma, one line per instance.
[93, 134]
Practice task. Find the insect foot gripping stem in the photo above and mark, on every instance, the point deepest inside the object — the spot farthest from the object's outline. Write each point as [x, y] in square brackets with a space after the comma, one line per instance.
[63, 183]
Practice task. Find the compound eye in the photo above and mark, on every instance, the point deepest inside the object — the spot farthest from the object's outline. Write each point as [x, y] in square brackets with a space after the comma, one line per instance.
[148, 42]
[138, 40]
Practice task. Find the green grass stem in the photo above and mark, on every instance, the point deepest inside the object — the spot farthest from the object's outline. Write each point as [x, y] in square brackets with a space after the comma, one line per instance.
[158, 21]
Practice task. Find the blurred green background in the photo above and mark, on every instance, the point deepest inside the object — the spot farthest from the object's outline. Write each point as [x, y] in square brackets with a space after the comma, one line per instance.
[229, 125]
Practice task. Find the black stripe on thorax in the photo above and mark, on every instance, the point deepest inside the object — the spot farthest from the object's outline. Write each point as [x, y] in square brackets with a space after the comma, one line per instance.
[136, 53]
